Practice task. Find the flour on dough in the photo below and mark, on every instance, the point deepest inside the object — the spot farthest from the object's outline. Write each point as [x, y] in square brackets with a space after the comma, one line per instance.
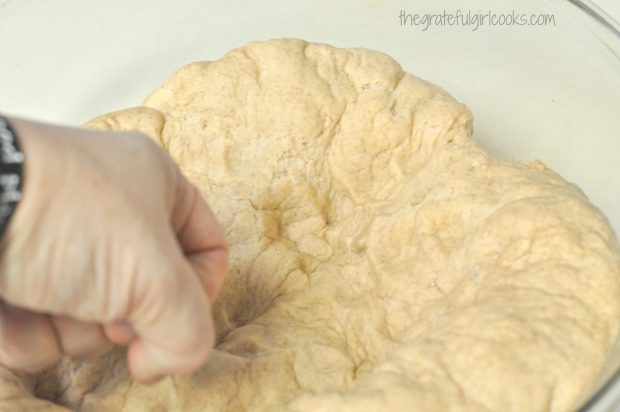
[381, 260]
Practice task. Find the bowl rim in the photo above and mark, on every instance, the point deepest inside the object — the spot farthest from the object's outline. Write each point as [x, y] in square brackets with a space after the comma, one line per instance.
[604, 397]
[599, 15]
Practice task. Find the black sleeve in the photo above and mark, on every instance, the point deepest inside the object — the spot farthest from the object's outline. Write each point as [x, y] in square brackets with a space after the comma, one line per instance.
[11, 173]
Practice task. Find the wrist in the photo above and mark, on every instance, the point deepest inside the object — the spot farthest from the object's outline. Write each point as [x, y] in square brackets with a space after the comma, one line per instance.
[38, 177]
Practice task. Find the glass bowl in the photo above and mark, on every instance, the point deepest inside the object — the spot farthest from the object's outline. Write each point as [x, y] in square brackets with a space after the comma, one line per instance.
[549, 91]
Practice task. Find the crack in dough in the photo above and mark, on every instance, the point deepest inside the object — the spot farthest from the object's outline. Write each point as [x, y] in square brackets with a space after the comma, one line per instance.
[380, 259]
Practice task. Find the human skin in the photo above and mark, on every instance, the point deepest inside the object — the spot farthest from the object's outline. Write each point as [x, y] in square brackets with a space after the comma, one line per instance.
[110, 244]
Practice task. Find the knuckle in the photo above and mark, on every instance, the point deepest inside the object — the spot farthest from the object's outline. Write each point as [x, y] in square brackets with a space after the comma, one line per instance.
[199, 355]
[145, 145]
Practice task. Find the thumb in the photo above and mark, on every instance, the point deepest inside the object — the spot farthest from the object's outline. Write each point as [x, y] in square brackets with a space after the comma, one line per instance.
[170, 315]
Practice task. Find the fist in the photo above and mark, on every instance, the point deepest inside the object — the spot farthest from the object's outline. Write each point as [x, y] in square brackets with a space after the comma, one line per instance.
[109, 244]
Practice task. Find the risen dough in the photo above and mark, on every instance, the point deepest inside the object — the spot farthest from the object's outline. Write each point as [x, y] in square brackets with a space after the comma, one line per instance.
[380, 259]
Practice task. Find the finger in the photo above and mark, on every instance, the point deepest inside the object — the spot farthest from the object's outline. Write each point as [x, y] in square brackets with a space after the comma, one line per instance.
[80, 339]
[201, 238]
[171, 315]
[119, 332]
[210, 268]
[27, 340]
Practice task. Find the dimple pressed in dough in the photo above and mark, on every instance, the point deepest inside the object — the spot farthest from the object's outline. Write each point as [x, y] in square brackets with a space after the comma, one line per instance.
[381, 260]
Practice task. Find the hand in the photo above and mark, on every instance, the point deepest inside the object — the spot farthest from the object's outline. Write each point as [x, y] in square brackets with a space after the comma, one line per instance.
[109, 244]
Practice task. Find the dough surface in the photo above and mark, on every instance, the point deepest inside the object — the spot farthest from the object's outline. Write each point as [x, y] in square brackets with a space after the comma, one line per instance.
[381, 260]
